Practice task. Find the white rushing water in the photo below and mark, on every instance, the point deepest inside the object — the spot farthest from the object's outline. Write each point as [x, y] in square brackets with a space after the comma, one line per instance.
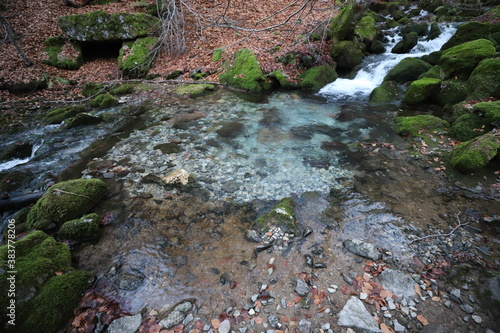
[18, 161]
[374, 68]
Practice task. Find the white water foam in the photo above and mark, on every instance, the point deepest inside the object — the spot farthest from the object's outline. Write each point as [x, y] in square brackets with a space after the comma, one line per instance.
[374, 68]
[18, 161]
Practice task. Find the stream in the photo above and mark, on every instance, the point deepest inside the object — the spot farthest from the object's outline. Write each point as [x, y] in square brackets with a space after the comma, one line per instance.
[164, 244]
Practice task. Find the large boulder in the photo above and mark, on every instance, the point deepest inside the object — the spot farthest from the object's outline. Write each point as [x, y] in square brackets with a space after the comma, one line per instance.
[416, 125]
[65, 201]
[317, 77]
[342, 26]
[387, 92]
[475, 154]
[366, 30]
[460, 61]
[467, 127]
[347, 55]
[404, 46]
[62, 54]
[135, 58]
[99, 26]
[408, 69]
[421, 90]
[471, 31]
[451, 92]
[245, 73]
[484, 81]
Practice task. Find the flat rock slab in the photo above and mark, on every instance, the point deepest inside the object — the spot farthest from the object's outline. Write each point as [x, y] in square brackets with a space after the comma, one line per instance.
[362, 249]
[397, 282]
[125, 324]
[355, 315]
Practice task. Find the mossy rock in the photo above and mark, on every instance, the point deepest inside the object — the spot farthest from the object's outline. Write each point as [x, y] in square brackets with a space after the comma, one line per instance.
[435, 72]
[93, 88]
[421, 90]
[99, 26]
[471, 31]
[103, 101]
[217, 54]
[13, 179]
[467, 127]
[173, 75]
[82, 119]
[422, 29]
[81, 229]
[193, 90]
[416, 125]
[475, 154]
[53, 307]
[387, 92]
[62, 54]
[484, 81]
[19, 149]
[169, 148]
[342, 26]
[490, 110]
[459, 61]
[135, 58]
[432, 58]
[65, 201]
[282, 215]
[283, 80]
[22, 87]
[347, 55]
[57, 116]
[245, 73]
[450, 92]
[434, 32]
[408, 69]
[404, 46]
[366, 29]
[122, 89]
[317, 77]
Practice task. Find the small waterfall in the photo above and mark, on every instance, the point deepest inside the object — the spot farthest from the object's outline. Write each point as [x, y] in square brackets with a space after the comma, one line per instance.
[375, 67]
[18, 161]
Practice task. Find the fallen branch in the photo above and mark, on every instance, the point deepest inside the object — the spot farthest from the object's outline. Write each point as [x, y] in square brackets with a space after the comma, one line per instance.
[80, 195]
[11, 36]
[460, 224]
[18, 202]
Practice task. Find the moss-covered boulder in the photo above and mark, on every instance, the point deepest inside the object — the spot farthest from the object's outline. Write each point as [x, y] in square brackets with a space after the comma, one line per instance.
[421, 90]
[422, 29]
[490, 110]
[245, 73]
[80, 229]
[408, 69]
[284, 80]
[135, 58]
[82, 119]
[416, 125]
[484, 81]
[467, 127]
[99, 26]
[475, 154]
[282, 216]
[63, 54]
[57, 116]
[471, 31]
[347, 55]
[450, 93]
[38, 260]
[92, 89]
[342, 26]
[317, 77]
[436, 72]
[406, 44]
[65, 201]
[103, 101]
[459, 61]
[366, 30]
[122, 89]
[193, 90]
[387, 92]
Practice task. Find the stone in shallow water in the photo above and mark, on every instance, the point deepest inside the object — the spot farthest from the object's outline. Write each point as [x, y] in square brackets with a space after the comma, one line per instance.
[177, 176]
[231, 129]
[355, 315]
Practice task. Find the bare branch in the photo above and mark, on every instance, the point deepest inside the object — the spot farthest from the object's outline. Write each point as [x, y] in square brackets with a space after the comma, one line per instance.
[460, 224]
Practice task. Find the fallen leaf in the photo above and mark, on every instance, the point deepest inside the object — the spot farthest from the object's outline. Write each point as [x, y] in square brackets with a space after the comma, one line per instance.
[418, 290]
[386, 293]
[422, 319]
[385, 329]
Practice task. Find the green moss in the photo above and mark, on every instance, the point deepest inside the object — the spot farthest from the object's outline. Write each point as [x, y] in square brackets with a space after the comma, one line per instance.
[416, 125]
[57, 116]
[135, 58]
[122, 89]
[408, 69]
[92, 88]
[435, 72]
[450, 92]
[245, 73]
[461, 60]
[71, 58]
[103, 101]
[421, 90]
[468, 32]
[420, 28]
[466, 127]
[366, 30]
[404, 46]
[490, 110]
[217, 54]
[387, 92]
[81, 119]
[193, 90]
[282, 215]
[347, 54]
[51, 309]
[484, 81]
[283, 80]
[84, 228]
[475, 154]
[342, 26]
[65, 201]
[173, 75]
[317, 77]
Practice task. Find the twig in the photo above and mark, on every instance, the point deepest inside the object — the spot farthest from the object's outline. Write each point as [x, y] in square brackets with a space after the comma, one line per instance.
[80, 195]
[460, 224]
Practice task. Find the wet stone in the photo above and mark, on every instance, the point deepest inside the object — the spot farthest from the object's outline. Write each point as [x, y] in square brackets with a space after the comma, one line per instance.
[231, 129]
[129, 282]
[467, 308]
[253, 236]
[125, 324]
[362, 249]
[456, 296]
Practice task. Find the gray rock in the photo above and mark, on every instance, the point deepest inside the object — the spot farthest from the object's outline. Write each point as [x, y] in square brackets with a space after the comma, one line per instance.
[176, 314]
[230, 186]
[129, 281]
[304, 326]
[398, 327]
[225, 326]
[253, 236]
[467, 308]
[434, 328]
[302, 288]
[128, 324]
[274, 321]
[355, 315]
[477, 319]
[397, 282]
[456, 296]
[362, 249]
